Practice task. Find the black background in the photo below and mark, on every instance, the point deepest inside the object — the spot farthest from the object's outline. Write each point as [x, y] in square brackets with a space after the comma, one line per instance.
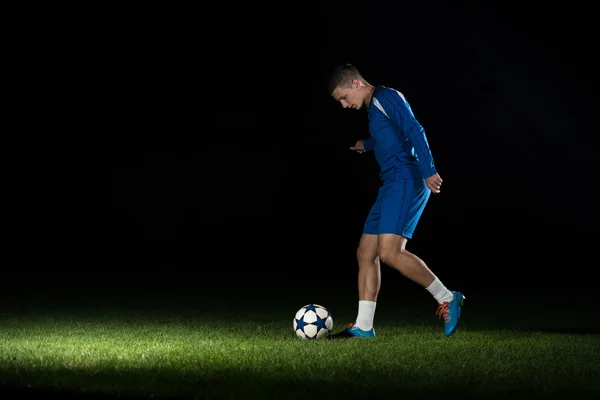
[179, 146]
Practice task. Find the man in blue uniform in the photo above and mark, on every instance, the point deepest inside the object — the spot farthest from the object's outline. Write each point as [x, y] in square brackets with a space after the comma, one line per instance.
[408, 176]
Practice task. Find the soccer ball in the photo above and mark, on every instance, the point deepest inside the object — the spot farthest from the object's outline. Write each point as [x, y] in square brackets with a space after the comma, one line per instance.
[313, 321]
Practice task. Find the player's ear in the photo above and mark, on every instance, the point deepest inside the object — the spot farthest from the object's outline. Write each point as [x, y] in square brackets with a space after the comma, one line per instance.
[355, 83]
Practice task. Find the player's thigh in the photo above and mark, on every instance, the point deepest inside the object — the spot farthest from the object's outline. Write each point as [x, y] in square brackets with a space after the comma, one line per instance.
[390, 243]
[402, 206]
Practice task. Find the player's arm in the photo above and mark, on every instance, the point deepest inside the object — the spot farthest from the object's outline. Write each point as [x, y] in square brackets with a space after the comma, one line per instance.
[363, 145]
[396, 109]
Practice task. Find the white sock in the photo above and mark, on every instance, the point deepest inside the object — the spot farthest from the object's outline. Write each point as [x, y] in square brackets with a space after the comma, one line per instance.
[439, 291]
[366, 313]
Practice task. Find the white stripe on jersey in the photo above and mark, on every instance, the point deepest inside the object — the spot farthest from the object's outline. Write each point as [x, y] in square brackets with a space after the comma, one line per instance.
[380, 107]
[401, 95]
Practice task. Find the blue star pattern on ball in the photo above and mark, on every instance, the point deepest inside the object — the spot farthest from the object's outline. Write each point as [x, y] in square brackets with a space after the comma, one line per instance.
[310, 307]
[300, 324]
[320, 323]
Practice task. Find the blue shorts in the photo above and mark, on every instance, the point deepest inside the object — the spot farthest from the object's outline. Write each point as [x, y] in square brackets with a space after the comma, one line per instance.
[398, 207]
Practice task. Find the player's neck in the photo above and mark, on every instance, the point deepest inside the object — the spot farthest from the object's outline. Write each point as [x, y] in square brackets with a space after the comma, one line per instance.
[370, 89]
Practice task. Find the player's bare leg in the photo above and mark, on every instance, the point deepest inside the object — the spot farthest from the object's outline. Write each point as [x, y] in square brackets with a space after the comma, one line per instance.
[369, 283]
[392, 252]
[369, 270]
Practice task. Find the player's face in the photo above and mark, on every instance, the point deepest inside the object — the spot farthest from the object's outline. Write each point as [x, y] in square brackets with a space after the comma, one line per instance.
[349, 97]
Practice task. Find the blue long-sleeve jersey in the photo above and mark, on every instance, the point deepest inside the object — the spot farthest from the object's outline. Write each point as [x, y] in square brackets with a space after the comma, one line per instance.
[397, 138]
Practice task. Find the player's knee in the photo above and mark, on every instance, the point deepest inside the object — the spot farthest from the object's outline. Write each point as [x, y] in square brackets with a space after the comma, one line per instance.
[389, 254]
[365, 255]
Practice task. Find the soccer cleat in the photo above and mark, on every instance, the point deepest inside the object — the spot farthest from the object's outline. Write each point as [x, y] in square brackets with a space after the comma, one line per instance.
[450, 311]
[351, 331]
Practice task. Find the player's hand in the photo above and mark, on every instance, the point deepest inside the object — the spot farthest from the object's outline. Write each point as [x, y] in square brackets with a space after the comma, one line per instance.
[434, 182]
[358, 147]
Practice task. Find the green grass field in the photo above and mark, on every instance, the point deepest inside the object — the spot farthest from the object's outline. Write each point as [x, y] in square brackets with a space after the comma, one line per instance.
[218, 348]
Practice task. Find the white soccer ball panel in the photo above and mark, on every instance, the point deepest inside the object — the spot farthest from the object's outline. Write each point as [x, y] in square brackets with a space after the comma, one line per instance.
[295, 324]
[310, 317]
[328, 323]
[322, 333]
[322, 312]
[300, 313]
[300, 334]
[310, 331]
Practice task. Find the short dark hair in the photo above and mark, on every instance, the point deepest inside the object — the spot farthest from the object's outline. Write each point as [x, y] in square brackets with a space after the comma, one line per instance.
[342, 77]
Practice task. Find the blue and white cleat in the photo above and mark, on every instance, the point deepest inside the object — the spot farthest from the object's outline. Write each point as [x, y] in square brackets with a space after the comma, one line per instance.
[450, 311]
[351, 331]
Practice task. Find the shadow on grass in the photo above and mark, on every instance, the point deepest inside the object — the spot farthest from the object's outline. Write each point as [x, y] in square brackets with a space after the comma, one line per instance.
[231, 384]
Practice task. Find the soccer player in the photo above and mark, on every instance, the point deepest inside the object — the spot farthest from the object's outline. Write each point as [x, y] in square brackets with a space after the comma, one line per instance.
[408, 177]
